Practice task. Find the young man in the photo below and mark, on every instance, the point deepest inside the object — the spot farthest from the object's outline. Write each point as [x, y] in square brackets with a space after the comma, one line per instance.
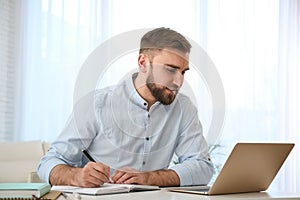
[133, 129]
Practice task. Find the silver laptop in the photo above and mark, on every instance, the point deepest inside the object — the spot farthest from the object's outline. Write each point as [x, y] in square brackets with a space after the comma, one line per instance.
[250, 167]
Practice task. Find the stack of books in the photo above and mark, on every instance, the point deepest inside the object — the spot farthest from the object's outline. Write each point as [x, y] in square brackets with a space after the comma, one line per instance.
[23, 190]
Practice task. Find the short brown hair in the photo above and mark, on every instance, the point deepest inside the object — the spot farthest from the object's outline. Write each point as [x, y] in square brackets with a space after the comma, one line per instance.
[164, 38]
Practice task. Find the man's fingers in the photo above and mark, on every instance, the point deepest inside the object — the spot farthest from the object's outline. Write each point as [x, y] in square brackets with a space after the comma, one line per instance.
[105, 169]
[132, 180]
[93, 182]
[117, 175]
[98, 167]
[99, 175]
[95, 174]
[124, 177]
[86, 180]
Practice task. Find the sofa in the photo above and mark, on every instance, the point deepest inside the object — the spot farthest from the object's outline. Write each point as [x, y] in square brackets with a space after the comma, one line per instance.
[19, 160]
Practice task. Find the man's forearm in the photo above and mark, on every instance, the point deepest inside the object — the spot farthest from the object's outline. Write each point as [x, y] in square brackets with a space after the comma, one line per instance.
[66, 175]
[130, 175]
[164, 178]
[91, 175]
[63, 175]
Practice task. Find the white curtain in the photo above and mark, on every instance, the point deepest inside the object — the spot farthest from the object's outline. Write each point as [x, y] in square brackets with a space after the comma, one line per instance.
[254, 45]
[288, 86]
[58, 36]
[9, 71]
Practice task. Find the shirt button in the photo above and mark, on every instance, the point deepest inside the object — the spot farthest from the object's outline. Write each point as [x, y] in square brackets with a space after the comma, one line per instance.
[145, 104]
[148, 115]
[147, 138]
[144, 162]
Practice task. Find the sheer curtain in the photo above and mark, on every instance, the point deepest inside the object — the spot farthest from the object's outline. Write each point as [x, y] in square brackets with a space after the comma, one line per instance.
[58, 36]
[9, 71]
[288, 85]
[254, 45]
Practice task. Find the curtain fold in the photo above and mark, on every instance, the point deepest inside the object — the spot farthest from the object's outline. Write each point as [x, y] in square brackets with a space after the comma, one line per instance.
[288, 86]
[9, 67]
[57, 37]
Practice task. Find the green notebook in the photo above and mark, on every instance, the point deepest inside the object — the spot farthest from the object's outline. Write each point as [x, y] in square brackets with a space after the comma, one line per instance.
[23, 190]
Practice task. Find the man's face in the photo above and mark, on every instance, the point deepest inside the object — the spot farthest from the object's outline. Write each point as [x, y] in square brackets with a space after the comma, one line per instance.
[166, 75]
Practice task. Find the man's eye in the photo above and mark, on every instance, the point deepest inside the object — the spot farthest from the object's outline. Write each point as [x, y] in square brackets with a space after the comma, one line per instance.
[172, 70]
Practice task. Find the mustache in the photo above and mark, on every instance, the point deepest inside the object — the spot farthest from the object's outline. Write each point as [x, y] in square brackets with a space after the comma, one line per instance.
[174, 89]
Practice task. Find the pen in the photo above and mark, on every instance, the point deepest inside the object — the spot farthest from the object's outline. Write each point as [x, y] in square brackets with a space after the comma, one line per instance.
[86, 154]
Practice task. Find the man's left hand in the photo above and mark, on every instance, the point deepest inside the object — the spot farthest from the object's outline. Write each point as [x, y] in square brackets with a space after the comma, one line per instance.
[128, 175]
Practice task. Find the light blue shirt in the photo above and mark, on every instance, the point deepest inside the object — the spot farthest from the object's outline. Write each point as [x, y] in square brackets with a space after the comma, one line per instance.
[116, 128]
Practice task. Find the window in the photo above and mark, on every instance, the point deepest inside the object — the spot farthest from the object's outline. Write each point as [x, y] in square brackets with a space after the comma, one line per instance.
[9, 34]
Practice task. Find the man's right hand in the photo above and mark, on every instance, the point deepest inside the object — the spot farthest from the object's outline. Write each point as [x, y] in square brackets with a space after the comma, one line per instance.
[91, 175]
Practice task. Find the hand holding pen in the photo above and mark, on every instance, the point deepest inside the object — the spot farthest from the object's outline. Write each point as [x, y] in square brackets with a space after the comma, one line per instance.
[93, 174]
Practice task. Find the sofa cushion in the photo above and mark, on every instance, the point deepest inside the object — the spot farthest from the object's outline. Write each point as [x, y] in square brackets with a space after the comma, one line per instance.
[19, 159]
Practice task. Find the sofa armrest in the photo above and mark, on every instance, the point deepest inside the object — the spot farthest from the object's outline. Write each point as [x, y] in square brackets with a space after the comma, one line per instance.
[33, 177]
[20, 161]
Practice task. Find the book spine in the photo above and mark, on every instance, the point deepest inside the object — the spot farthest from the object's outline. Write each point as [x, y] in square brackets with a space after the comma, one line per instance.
[18, 198]
[24, 198]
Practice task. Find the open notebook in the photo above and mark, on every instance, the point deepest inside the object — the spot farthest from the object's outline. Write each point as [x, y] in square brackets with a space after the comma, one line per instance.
[106, 188]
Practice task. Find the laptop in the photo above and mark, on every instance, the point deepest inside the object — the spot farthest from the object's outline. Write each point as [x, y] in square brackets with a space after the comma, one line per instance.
[250, 167]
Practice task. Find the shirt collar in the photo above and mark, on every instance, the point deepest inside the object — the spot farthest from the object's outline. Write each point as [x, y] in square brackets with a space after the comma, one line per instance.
[134, 95]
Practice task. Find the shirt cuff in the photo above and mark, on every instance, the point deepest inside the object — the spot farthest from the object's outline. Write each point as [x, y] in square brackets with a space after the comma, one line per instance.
[184, 174]
[45, 169]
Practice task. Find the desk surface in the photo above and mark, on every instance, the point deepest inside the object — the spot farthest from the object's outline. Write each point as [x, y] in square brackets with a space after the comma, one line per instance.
[166, 195]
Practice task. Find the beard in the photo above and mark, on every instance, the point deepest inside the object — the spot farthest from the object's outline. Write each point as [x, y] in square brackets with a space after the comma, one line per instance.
[161, 93]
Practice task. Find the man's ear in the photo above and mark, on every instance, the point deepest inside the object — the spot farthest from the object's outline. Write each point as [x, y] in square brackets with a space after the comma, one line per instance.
[142, 62]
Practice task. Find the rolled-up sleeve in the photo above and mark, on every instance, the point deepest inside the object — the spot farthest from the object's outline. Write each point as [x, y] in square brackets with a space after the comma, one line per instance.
[77, 135]
[194, 165]
[65, 150]
[194, 172]
[47, 163]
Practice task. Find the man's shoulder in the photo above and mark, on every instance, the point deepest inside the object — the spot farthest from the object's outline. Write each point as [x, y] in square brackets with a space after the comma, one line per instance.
[185, 103]
[183, 98]
[109, 89]
[105, 90]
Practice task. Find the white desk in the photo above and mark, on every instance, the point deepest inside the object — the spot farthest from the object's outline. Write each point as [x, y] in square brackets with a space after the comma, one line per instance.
[166, 195]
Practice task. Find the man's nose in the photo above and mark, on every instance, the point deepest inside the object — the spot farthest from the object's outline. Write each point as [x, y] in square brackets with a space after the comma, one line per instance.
[178, 79]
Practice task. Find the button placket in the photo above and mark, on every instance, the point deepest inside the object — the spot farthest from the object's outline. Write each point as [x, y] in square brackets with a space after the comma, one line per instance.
[147, 141]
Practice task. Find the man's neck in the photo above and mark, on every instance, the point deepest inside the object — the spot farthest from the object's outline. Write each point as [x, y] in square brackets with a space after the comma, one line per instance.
[143, 90]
